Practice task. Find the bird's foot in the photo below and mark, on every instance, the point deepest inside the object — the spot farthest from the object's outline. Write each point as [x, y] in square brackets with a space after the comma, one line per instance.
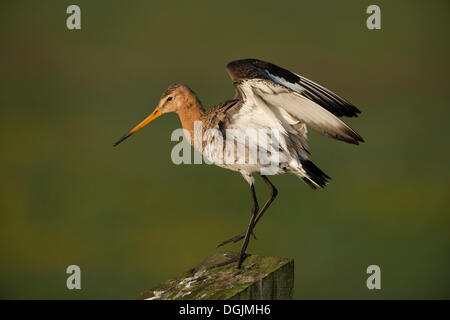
[238, 258]
[235, 239]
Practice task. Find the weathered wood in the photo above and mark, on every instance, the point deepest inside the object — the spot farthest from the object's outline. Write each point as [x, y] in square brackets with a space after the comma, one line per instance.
[260, 277]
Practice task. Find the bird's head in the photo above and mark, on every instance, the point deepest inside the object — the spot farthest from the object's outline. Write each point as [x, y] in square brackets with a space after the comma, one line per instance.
[176, 98]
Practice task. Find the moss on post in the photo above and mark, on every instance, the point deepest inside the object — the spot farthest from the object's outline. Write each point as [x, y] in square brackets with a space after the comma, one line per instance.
[260, 277]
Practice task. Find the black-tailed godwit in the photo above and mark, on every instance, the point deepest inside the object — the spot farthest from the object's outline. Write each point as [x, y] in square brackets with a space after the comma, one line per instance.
[276, 104]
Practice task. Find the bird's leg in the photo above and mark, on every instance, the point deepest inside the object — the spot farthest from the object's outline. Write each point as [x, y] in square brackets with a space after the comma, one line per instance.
[242, 255]
[251, 225]
[273, 195]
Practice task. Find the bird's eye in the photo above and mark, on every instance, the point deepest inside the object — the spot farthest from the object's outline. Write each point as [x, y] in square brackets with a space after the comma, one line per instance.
[169, 98]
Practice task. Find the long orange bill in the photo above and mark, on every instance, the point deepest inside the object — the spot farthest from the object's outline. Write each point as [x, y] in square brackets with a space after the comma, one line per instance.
[155, 114]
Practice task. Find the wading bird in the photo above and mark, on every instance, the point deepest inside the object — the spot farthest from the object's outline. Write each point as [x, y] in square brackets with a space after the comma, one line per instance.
[267, 97]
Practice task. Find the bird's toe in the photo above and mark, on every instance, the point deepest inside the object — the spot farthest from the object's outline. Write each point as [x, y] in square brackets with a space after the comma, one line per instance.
[235, 239]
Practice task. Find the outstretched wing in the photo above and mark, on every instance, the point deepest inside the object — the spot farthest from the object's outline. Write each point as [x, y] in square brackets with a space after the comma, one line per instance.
[257, 69]
[259, 82]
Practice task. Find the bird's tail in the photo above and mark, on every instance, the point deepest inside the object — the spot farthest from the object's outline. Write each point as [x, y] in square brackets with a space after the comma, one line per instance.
[312, 175]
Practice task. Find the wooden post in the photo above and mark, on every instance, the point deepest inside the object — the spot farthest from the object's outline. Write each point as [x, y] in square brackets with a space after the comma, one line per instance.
[260, 277]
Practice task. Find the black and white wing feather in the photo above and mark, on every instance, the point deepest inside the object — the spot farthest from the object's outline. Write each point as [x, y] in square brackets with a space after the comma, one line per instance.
[300, 98]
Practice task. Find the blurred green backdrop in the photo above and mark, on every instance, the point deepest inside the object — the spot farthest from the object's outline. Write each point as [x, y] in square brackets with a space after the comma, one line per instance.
[130, 218]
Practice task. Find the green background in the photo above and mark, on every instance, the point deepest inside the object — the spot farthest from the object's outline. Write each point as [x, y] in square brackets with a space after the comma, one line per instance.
[130, 218]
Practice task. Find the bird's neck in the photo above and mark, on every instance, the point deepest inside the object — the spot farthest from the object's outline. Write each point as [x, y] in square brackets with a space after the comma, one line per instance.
[192, 112]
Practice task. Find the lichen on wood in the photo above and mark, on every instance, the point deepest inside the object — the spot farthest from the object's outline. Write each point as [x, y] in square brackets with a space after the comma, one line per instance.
[260, 277]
